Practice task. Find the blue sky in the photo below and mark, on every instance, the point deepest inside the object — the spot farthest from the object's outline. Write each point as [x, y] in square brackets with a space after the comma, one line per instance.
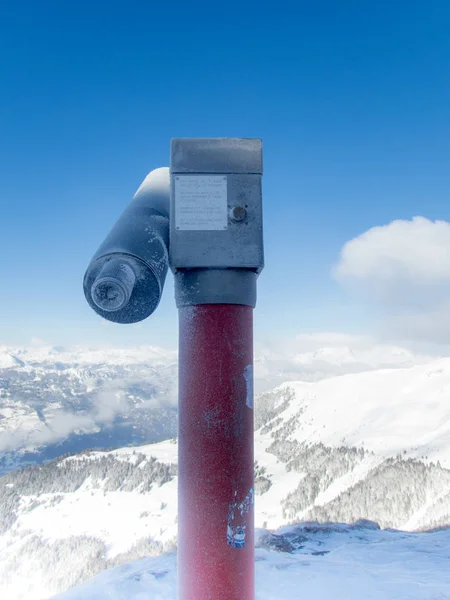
[351, 99]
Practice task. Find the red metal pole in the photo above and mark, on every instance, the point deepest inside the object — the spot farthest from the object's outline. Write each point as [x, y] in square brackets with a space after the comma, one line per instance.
[215, 489]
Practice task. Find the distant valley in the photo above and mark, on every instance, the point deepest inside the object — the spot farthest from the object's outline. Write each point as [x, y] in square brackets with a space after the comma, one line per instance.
[372, 444]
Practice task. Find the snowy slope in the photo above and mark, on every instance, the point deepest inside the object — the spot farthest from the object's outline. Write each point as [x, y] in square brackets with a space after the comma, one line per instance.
[374, 445]
[350, 447]
[67, 520]
[386, 411]
[343, 563]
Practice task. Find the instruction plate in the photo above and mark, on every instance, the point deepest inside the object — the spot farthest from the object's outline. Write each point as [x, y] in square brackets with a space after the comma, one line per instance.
[201, 202]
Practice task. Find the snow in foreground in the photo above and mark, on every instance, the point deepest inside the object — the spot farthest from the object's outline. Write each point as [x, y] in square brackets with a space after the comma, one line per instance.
[308, 561]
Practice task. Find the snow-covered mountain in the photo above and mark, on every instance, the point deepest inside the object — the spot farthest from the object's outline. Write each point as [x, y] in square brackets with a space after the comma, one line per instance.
[312, 357]
[373, 445]
[55, 400]
[307, 561]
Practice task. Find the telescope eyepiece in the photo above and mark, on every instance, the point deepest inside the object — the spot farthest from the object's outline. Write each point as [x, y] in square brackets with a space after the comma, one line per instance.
[114, 285]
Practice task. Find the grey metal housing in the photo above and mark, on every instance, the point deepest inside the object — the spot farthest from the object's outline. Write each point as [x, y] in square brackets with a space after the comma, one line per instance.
[216, 223]
[216, 155]
[240, 245]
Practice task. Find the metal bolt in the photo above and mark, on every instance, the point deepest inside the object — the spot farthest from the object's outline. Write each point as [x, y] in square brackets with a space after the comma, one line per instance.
[238, 213]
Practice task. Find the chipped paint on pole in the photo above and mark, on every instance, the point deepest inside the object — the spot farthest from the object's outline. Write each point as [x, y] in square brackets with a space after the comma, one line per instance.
[248, 376]
[237, 527]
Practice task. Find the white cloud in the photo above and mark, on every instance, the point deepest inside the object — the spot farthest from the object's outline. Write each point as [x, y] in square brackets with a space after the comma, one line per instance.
[62, 424]
[403, 268]
[416, 250]
[109, 402]
[403, 254]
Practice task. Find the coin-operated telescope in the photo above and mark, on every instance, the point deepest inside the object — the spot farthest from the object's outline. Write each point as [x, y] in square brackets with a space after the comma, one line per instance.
[203, 218]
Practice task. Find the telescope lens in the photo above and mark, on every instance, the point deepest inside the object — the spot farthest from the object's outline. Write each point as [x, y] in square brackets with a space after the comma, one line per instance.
[113, 286]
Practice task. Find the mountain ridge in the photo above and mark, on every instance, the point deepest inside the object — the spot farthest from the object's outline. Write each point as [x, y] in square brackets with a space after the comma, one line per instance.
[369, 445]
